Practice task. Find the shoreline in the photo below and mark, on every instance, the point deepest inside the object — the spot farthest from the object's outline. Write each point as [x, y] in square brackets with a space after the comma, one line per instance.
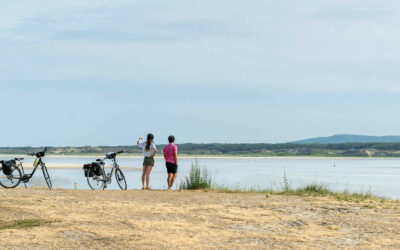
[28, 165]
[203, 157]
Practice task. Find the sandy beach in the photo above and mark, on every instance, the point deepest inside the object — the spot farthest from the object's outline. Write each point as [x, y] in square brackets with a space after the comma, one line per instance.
[159, 156]
[29, 165]
[193, 219]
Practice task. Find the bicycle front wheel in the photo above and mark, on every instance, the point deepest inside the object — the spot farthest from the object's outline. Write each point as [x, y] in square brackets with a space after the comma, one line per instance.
[96, 182]
[120, 179]
[47, 177]
[12, 180]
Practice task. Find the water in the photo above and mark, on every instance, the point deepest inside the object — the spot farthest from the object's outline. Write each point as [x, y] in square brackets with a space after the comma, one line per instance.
[380, 176]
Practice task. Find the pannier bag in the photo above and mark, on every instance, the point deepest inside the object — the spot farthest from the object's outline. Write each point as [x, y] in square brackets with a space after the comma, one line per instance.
[8, 167]
[97, 169]
[86, 168]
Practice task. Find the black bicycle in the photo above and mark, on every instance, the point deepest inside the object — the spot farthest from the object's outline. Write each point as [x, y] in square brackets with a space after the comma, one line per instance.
[97, 177]
[12, 171]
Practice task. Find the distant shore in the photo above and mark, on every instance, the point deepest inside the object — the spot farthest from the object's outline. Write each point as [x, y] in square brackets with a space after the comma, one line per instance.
[5, 156]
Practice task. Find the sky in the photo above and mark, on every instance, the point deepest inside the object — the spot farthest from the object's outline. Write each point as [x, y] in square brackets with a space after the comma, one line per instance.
[84, 72]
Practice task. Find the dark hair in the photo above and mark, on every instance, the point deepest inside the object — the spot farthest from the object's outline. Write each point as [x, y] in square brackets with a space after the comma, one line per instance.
[148, 142]
[171, 138]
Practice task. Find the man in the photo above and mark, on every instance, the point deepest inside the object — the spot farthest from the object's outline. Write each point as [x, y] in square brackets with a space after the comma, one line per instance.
[171, 161]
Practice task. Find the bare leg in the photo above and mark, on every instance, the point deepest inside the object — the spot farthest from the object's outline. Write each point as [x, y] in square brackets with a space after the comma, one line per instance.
[169, 180]
[144, 174]
[148, 171]
[173, 179]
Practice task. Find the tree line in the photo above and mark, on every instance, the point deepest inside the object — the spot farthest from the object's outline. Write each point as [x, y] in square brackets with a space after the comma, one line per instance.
[257, 149]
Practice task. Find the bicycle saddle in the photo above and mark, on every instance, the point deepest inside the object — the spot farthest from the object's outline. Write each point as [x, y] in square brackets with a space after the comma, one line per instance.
[19, 159]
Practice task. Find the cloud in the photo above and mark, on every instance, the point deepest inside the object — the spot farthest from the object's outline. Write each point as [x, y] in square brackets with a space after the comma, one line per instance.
[312, 46]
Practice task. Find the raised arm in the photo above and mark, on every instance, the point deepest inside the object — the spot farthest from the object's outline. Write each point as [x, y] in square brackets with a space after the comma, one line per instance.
[140, 138]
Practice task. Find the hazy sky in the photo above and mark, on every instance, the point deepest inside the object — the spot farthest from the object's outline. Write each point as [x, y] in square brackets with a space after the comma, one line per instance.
[84, 72]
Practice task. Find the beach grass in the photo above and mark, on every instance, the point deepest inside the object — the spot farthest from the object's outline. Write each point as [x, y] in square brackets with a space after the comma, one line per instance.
[23, 224]
[312, 190]
[199, 178]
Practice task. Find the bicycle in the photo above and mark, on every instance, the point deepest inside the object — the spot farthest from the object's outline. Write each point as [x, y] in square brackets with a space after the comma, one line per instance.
[12, 172]
[98, 179]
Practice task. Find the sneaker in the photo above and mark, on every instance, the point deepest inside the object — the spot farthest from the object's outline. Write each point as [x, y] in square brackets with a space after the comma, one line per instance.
[148, 188]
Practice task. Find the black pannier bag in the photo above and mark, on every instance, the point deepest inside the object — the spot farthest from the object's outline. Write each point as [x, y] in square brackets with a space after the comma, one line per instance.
[86, 168]
[8, 167]
[97, 169]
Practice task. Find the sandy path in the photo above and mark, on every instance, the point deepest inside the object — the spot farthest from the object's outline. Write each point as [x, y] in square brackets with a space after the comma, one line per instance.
[174, 219]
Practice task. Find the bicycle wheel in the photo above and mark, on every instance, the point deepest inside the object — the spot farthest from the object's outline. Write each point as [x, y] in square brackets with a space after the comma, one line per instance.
[96, 182]
[12, 180]
[120, 179]
[47, 176]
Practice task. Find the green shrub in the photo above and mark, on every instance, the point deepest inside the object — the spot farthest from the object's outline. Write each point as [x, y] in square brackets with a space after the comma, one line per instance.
[198, 178]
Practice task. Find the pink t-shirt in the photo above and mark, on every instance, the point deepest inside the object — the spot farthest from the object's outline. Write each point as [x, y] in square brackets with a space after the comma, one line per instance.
[169, 152]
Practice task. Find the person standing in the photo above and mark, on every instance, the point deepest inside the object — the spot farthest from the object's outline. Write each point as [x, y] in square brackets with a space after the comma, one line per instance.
[149, 151]
[171, 161]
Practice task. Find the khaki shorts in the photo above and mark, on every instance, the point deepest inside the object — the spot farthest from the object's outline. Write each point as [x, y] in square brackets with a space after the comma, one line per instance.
[148, 161]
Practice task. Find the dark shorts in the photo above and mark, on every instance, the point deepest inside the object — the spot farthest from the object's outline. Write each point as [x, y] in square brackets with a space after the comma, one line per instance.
[148, 161]
[172, 168]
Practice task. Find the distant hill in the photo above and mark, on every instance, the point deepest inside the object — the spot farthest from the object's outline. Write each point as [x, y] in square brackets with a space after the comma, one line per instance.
[345, 138]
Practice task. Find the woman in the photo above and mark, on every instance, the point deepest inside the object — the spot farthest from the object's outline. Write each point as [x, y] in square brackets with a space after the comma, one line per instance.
[149, 151]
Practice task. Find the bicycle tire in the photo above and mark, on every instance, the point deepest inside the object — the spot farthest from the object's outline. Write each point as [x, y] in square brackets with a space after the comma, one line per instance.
[120, 177]
[47, 176]
[98, 181]
[5, 178]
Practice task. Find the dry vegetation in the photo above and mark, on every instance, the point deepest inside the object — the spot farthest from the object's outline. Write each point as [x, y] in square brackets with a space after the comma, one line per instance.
[39, 218]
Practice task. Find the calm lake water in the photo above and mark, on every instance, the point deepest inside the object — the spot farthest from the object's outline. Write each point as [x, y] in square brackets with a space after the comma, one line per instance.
[380, 176]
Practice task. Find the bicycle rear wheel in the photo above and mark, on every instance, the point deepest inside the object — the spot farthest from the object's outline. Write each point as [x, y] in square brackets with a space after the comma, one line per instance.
[96, 182]
[12, 180]
[47, 176]
[120, 179]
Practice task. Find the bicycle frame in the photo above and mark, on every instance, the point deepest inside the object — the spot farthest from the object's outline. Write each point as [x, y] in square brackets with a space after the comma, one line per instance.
[114, 167]
[29, 176]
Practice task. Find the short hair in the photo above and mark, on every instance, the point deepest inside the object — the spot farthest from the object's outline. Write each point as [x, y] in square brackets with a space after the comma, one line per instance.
[171, 139]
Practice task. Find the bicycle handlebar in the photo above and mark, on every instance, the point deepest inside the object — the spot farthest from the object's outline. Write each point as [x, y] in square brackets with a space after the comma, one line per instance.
[39, 154]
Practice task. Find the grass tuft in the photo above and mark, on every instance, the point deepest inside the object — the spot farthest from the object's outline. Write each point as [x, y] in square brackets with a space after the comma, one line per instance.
[198, 178]
[21, 224]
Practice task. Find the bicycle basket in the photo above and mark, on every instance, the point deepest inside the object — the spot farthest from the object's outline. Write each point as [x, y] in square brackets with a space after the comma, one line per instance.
[97, 169]
[41, 154]
[86, 169]
[8, 167]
